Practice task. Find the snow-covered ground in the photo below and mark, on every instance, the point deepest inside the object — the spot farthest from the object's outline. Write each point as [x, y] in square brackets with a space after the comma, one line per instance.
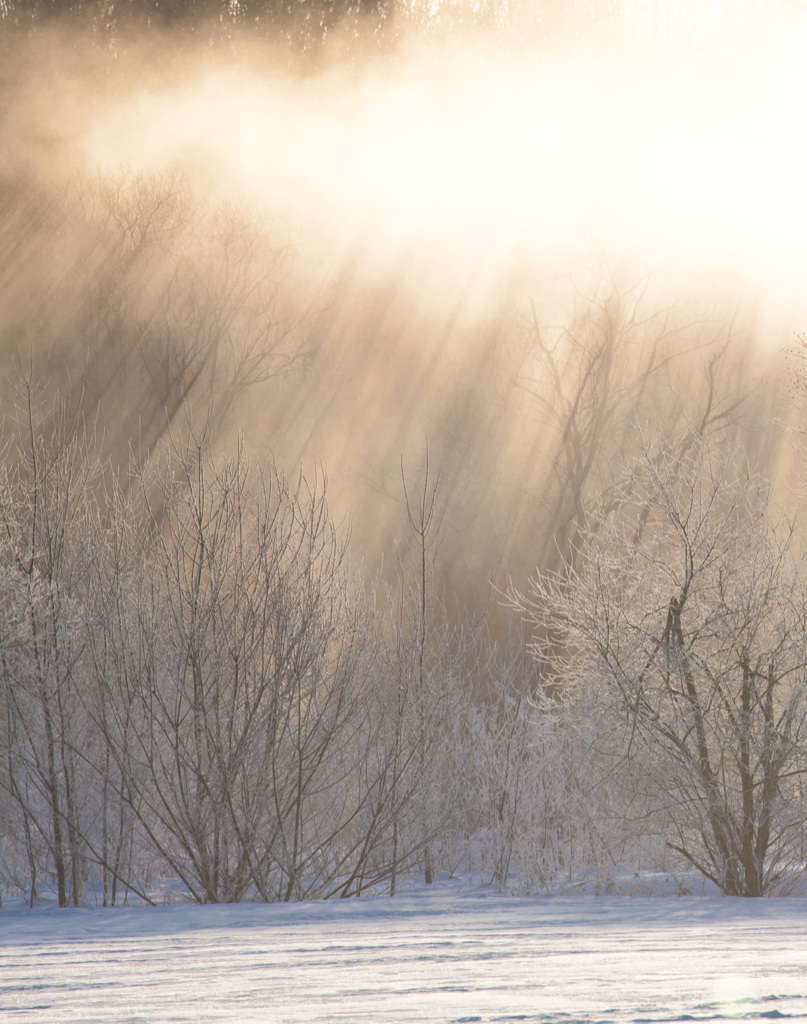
[441, 954]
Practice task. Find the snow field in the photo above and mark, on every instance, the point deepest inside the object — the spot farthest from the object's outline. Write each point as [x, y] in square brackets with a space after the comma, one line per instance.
[437, 956]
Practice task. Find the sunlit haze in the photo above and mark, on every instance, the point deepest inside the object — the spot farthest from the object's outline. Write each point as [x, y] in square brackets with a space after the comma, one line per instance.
[471, 159]
[447, 182]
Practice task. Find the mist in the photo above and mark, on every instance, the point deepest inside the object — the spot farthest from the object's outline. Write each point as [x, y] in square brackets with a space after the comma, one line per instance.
[399, 462]
[511, 237]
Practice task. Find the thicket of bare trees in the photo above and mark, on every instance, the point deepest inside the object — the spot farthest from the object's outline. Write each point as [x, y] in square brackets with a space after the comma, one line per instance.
[197, 685]
[153, 301]
[202, 687]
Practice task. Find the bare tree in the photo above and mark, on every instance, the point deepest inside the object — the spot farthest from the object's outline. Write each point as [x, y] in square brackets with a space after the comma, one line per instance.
[122, 660]
[682, 618]
[187, 308]
[248, 740]
[49, 493]
[430, 690]
[163, 302]
[620, 360]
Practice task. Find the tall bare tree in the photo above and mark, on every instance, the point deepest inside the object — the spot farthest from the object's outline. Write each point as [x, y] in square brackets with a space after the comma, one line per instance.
[682, 619]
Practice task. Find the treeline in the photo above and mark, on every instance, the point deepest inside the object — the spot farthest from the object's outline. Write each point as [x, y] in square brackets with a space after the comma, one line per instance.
[197, 685]
[300, 25]
[306, 27]
[201, 694]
